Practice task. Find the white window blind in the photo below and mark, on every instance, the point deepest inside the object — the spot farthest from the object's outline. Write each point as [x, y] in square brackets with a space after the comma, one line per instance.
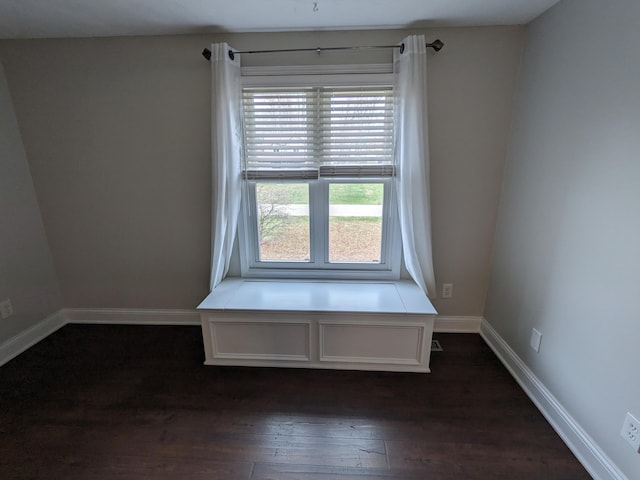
[311, 132]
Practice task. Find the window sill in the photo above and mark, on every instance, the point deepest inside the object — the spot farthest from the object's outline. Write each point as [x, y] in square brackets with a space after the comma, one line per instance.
[386, 297]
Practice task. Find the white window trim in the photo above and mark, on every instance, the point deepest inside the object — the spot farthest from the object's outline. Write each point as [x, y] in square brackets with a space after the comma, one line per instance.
[251, 267]
[288, 70]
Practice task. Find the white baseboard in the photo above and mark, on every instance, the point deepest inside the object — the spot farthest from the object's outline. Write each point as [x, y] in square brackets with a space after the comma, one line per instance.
[448, 324]
[137, 316]
[586, 450]
[24, 340]
[21, 342]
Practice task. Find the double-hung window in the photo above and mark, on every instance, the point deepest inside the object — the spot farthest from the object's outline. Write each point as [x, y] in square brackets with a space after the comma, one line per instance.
[318, 197]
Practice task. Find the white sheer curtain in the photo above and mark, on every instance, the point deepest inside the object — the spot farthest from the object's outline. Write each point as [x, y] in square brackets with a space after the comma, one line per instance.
[412, 160]
[226, 149]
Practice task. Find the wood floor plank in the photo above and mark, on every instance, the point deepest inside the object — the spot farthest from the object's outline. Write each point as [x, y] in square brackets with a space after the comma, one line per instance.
[312, 472]
[475, 459]
[55, 441]
[96, 467]
[136, 402]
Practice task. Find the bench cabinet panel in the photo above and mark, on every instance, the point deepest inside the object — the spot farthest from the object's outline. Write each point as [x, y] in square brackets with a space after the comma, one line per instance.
[318, 340]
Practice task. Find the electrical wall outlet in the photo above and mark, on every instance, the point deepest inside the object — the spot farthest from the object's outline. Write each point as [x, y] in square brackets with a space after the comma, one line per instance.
[631, 431]
[447, 290]
[536, 338]
[6, 309]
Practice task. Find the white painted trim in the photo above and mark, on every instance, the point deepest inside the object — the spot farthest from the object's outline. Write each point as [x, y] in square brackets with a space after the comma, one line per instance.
[450, 324]
[288, 70]
[338, 80]
[137, 316]
[443, 323]
[305, 296]
[26, 339]
[586, 450]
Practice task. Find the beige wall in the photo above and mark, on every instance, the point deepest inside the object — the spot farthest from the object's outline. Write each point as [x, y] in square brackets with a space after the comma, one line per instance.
[567, 252]
[117, 136]
[27, 277]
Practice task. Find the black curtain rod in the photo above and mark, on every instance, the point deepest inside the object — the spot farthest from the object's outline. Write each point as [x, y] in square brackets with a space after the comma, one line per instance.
[436, 45]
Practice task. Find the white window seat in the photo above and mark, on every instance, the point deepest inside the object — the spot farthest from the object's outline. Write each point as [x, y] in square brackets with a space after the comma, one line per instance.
[353, 325]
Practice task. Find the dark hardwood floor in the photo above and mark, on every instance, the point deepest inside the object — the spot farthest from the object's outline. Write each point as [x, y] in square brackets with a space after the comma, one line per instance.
[135, 402]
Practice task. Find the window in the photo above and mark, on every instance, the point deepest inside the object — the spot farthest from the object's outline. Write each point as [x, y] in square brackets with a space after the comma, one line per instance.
[318, 194]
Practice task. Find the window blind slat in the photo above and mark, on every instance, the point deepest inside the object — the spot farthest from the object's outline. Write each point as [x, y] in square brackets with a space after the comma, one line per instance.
[281, 174]
[353, 171]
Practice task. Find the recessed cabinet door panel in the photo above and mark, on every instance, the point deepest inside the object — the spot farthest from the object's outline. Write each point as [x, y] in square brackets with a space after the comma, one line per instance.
[260, 341]
[371, 343]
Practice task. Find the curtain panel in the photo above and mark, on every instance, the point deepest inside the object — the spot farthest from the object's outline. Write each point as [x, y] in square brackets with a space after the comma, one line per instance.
[226, 149]
[411, 154]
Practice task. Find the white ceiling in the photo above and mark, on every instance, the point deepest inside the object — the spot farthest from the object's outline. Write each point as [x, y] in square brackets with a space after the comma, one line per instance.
[89, 18]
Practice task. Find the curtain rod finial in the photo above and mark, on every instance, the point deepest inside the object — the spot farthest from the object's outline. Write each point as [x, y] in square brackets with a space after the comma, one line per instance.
[436, 45]
[206, 53]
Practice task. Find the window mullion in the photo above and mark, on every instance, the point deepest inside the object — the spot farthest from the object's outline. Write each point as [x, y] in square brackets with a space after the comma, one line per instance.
[387, 220]
[251, 243]
[318, 198]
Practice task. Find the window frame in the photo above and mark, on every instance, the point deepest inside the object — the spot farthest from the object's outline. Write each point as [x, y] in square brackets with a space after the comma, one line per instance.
[320, 268]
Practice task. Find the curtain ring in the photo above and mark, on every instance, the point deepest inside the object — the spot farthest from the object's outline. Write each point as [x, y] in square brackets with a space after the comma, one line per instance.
[401, 48]
[231, 55]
